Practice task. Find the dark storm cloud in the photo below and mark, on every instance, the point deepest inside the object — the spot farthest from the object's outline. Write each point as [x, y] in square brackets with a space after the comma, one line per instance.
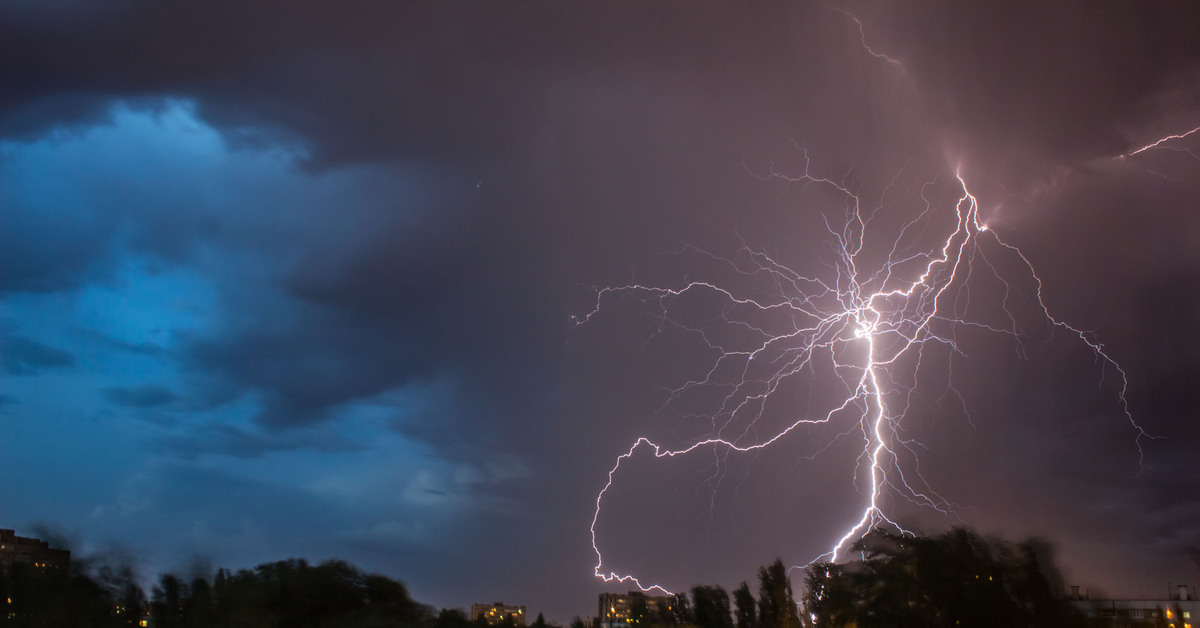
[136, 348]
[545, 148]
[361, 331]
[145, 396]
[34, 258]
[1054, 83]
[67, 226]
[224, 510]
[23, 356]
[230, 440]
[304, 372]
[444, 82]
[270, 60]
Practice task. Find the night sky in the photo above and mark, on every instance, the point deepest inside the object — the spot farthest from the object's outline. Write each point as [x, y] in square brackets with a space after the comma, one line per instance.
[306, 279]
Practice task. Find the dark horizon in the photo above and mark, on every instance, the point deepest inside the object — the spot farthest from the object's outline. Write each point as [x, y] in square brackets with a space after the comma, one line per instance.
[309, 281]
[1025, 585]
[53, 555]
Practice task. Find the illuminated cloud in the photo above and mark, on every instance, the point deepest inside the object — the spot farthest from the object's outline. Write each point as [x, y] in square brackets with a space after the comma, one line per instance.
[281, 280]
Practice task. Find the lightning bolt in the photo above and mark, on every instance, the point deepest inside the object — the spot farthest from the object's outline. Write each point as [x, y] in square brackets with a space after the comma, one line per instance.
[872, 322]
[1159, 142]
[862, 36]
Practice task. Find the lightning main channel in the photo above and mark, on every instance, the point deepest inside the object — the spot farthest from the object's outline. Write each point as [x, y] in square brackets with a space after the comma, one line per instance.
[869, 320]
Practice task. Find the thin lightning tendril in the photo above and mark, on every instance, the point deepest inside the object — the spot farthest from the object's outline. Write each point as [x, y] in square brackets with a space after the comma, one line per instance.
[908, 302]
[862, 35]
[1159, 142]
[881, 317]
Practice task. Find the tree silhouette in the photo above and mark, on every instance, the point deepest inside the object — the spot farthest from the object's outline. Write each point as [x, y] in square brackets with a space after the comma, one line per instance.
[710, 606]
[955, 579]
[776, 606]
[745, 614]
[105, 594]
[683, 610]
[167, 601]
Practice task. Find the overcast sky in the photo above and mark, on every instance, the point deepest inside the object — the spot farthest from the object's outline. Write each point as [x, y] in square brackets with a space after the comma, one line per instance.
[307, 279]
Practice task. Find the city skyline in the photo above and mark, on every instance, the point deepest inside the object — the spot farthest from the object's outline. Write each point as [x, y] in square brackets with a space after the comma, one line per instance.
[345, 281]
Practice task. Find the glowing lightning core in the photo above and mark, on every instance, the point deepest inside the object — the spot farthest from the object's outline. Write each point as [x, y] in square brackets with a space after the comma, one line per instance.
[869, 323]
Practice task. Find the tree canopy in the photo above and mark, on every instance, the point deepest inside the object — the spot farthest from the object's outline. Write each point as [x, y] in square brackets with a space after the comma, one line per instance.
[955, 579]
[290, 593]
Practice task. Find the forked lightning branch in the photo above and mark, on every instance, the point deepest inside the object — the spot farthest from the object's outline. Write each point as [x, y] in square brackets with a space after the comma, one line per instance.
[869, 319]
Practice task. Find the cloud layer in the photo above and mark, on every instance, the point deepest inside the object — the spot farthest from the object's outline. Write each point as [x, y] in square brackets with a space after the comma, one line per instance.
[284, 280]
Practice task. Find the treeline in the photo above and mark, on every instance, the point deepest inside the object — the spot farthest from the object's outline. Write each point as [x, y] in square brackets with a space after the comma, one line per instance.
[709, 605]
[289, 593]
[955, 579]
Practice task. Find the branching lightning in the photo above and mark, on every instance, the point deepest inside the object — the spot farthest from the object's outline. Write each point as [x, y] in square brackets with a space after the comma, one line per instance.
[867, 323]
[870, 319]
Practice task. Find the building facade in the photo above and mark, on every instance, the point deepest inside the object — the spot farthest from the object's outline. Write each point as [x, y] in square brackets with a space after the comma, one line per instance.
[622, 610]
[498, 613]
[1178, 610]
[20, 550]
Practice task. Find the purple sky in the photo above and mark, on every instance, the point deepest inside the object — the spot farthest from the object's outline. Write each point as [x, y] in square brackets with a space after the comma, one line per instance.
[303, 280]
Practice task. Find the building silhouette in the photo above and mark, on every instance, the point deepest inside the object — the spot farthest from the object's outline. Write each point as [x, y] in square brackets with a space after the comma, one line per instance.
[20, 550]
[1178, 609]
[620, 611]
[498, 613]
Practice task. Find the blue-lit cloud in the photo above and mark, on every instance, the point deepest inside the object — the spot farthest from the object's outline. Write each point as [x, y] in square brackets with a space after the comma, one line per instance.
[198, 286]
[22, 356]
[280, 281]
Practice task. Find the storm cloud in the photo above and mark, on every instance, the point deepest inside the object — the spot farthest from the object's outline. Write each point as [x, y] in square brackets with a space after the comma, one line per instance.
[307, 279]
